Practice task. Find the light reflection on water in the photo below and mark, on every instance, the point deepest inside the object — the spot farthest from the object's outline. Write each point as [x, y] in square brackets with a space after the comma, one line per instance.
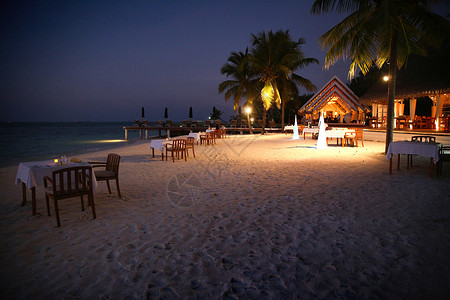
[31, 141]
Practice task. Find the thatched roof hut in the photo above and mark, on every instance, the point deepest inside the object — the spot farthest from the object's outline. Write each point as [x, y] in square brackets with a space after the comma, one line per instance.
[422, 76]
[337, 98]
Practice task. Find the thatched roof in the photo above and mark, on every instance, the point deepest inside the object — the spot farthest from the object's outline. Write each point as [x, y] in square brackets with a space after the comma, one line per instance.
[338, 92]
[422, 76]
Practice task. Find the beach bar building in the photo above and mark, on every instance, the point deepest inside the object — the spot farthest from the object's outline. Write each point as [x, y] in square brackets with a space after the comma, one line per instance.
[422, 77]
[337, 102]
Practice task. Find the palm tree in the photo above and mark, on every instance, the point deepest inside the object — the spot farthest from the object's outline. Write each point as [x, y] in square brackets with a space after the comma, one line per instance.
[380, 31]
[243, 84]
[275, 57]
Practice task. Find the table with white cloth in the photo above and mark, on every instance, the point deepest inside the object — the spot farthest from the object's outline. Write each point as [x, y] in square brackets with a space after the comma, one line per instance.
[31, 175]
[291, 127]
[196, 135]
[312, 130]
[159, 144]
[338, 133]
[413, 148]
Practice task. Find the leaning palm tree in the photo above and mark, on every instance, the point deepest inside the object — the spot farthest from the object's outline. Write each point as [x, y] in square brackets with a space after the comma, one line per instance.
[275, 57]
[380, 31]
[243, 84]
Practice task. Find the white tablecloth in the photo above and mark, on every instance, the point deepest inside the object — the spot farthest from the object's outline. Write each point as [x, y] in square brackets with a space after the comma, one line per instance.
[32, 173]
[310, 130]
[418, 148]
[338, 133]
[291, 127]
[159, 144]
[196, 135]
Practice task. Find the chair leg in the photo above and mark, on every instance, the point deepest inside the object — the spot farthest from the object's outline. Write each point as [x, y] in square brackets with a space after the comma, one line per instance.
[82, 203]
[48, 205]
[109, 188]
[193, 152]
[58, 221]
[91, 200]
[118, 189]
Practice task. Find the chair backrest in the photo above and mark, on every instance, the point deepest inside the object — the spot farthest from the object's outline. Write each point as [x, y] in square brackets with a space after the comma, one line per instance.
[190, 141]
[359, 133]
[71, 182]
[179, 144]
[112, 163]
[423, 138]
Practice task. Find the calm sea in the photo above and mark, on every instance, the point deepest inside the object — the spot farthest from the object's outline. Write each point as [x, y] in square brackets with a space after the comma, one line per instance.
[22, 141]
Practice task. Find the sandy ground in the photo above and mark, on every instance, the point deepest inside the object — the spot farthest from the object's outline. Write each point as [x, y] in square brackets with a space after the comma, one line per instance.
[254, 217]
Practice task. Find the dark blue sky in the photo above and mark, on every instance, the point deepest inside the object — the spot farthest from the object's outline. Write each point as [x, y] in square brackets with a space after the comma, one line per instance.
[104, 60]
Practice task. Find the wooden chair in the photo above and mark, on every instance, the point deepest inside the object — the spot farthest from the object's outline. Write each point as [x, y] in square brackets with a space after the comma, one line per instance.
[422, 139]
[68, 183]
[110, 172]
[233, 124]
[177, 147]
[444, 156]
[271, 123]
[161, 123]
[190, 141]
[207, 138]
[169, 123]
[349, 136]
[260, 124]
[359, 136]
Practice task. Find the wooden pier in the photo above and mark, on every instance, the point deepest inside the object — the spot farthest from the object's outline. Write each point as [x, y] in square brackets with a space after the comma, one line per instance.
[143, 130]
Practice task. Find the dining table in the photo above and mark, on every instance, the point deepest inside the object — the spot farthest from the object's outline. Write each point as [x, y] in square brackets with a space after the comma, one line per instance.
[430, 149]
[338, 133]
[196, 135]
[159, 144]
[31, 175]
[313, 130]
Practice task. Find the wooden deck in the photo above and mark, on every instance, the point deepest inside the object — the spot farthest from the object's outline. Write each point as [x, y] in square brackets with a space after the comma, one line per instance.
[180, 130]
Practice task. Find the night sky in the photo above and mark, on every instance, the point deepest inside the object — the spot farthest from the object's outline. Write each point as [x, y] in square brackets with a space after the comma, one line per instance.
[104, 60]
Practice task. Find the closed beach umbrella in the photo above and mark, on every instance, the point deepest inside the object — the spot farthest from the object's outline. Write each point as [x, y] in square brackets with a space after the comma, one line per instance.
[322, 139]
[166, 115]
[190, 112]
[296, 136]
[143, 114]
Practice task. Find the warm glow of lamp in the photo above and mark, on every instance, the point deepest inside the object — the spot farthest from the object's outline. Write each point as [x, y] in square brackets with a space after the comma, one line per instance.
[252, 119]
[248, 110]
[55, 161]
[385, 78]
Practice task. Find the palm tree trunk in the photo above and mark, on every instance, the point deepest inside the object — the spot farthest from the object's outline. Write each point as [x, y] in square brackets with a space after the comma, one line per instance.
[391, 90]
[283, 107]
[249, 124]
[264, 120]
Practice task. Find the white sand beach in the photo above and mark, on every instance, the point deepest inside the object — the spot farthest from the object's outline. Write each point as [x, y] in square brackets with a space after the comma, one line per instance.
[253, 217]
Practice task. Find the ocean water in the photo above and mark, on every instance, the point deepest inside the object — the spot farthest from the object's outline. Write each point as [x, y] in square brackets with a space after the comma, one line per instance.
[32, 141]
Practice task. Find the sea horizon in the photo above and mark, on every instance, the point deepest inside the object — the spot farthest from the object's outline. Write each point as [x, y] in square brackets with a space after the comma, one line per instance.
[33, 141]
